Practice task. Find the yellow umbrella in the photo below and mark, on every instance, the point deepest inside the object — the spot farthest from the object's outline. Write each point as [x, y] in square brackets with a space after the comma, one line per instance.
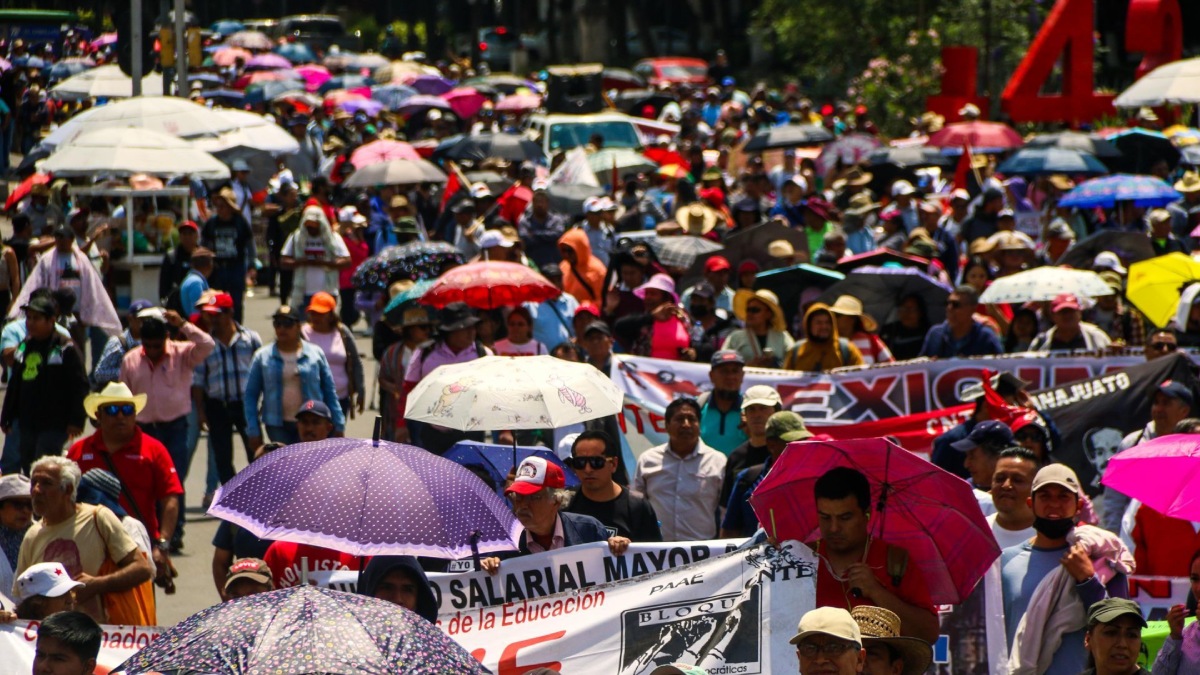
[673, 171]
[1155, 285]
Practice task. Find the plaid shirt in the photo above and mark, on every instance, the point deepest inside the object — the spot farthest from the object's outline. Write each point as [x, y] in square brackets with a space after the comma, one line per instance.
[222, 376]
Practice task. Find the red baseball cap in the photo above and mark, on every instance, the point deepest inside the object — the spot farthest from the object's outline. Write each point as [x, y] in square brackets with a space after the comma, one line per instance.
[189, 224]
[1065, 301]
[590, 308]
[221, 302]
[535, 473]
[717, 263]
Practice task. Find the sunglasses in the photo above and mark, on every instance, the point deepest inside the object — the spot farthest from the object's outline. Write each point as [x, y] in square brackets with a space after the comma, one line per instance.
[112, 409]
[578, 463]
[1164, 346]
[285, 323]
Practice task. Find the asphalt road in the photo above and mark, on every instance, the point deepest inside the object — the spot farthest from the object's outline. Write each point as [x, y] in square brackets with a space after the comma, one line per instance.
[194, 587]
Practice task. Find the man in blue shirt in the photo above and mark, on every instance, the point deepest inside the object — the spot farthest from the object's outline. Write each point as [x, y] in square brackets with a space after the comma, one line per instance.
[196, 281]
[960, 334]
[721, 409]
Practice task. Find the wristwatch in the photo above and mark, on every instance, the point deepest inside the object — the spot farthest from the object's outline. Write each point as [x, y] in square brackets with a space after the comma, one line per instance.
[163, 545]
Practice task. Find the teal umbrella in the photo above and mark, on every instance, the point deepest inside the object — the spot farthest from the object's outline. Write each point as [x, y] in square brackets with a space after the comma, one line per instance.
[409, 296]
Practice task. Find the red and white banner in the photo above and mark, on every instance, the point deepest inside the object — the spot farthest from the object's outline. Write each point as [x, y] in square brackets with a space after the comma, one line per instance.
[18, 640]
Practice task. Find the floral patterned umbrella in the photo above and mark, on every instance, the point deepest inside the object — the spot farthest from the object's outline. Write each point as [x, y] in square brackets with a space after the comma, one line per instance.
[415, 261]
[303, 629]
[513, 392]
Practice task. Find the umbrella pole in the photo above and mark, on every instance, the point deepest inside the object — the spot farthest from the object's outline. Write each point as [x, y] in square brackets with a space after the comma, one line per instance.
[475, 550]
[378, 430]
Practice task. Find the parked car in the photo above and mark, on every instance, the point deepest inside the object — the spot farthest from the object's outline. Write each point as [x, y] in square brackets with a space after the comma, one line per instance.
[673, 70]
[556, 132]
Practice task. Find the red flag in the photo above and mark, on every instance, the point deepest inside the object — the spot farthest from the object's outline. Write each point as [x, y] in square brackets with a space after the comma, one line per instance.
[513, 201]
[999, 409]
[915, 432]
[964, 169]
[453, 185]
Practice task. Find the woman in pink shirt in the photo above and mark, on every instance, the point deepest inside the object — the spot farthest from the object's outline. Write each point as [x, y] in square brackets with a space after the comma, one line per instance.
[667, 336]
[335, 339]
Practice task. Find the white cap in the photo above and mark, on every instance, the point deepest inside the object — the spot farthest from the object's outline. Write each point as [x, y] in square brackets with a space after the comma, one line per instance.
[154, 313]
[593, 205]
[798, 181]
[565, 446]
[48, 579]
[606, 203]
[761, 394]
[1107, 260]
[902, 187]
[540, 184]
[14, 486]
[962, 194]
[492, 238]
[480, 190]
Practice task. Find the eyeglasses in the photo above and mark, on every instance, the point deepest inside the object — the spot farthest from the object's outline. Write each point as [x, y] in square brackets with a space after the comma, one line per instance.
[830, 649]
[1164, 346]
[578, 463]
[112, 409]
[285, 323]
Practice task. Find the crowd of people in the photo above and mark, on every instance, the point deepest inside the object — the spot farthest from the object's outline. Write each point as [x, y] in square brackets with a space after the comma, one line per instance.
[102, 415]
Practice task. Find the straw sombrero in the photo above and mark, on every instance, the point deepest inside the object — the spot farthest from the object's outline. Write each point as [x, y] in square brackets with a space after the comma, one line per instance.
[113, 392]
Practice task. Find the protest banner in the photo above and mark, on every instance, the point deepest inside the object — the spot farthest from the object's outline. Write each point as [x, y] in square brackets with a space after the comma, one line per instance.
[18, 641]
[729, 614]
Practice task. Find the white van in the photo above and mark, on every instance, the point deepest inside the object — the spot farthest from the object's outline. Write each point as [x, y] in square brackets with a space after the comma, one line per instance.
[556, 133]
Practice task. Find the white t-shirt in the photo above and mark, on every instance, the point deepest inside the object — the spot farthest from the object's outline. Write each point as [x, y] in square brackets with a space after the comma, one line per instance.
[1007, 538]
[507, 348]
[303, 246]
[985, 501]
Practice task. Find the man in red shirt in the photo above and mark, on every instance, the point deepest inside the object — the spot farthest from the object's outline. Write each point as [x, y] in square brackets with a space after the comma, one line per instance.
[854, 568]
[142, 464]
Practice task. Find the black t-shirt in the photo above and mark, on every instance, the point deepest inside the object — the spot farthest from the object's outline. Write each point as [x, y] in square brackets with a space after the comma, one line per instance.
[743, 456]
[627, 516]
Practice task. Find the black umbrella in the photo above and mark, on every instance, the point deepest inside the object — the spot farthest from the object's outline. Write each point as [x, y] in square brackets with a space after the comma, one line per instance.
[882, 288]
[476, 148]
[1141, 149]
[908, 158]
[881, 256]
[416, 261]
[788, 136]
[262, 164]
[752, 242]
[789, 283]
[495, 182]
[1130, 247]
[1074, 140]
[568, 199]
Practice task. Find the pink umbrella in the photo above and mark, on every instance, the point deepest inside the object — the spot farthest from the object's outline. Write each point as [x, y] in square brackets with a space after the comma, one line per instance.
[989, 135]
[229, 55]
[464, 101]
[104, 40]
[519, 103]
[268, 62]
[382, 151]
[931, 513]
[265, 76]
[1163, 474]
[314, 76]
[340, 96]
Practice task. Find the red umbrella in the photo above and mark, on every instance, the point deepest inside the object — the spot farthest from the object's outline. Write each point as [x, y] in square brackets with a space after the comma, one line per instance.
[933, 514]
[989, 135]
[381, 151]
[22, 190]
[464, 101]
[490, 284]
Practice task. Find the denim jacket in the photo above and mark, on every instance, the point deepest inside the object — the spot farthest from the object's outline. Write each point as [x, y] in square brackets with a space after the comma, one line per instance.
[266, 379]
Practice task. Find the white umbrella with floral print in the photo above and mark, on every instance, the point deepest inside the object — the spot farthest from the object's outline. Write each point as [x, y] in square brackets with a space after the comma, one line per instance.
[513, 392]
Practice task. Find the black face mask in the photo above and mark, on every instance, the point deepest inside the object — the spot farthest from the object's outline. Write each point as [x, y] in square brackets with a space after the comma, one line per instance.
[700, 312]
[1053, 529]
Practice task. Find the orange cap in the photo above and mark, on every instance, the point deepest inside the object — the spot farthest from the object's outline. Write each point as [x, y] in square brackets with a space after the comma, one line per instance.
[322, 303]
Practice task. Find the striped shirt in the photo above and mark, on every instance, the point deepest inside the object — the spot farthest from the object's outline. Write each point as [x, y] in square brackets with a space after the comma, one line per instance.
[222, 375]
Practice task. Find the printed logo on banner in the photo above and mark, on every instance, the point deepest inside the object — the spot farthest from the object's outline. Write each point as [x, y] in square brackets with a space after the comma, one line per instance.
[723, 628]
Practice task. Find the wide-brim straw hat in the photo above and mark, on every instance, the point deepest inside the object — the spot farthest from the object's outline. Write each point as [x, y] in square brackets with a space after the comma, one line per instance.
[778, 321]
[848, 305]
[113, 392]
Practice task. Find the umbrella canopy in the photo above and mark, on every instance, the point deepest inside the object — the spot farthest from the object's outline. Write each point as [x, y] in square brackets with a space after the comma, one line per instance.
[478, 147]
[263, 164]
[881, 257]
[231, 98]
[789, 283]
[261, 76]
[788, 136]
[345, 82]
[296, 52]
[1074, 140]
[228, 56]
[375, 498]
[976, 135]
[68, 67]
[313, 75]
[1043, 284]
[105, 82]
[908, 157]
[368, 61]
[415, 261]
[465, 101]
[1130, 247]
[623, 159]
[261, 92]
[382, 151]
[124, 152]
[392, 95]
[396, 172]
[503, 83]
[490, 284]
[1155, 285]
[882, 288]
[1045, 161]
[681, 251]
[500, 459]
[1146, 191]
[751, 243]
[495, 182]
[359, 103]
[250, 39]
[846, 151]
[513, 392]
[1174, 83]
[425, 83]
[929, 512]
[1142, 148]
[566, 198]
[408, 296]
[421, 103]
[268, 61]
[519, 103]
[1161, 473]
[168, 114]
[103, 41]
[252, 131]
[299, 629]
[24, 188]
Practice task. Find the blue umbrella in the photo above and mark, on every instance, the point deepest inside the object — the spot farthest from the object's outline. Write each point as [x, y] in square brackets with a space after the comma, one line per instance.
[498, 460]
[344, 82]
[261, 92]
[1040, 161]
[368, 498]
[296, 52]
[206, 78]
[30, 62]
[392, 95]
[303, 629]
[229, 98]
[411, 295]
[1145, 191]
[68, 67]
[227, 27]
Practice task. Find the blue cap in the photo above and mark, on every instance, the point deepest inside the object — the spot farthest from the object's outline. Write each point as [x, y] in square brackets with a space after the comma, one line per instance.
[138, 305]
[1177, 390]
[990, 432]
[728, 82]
[314, 407]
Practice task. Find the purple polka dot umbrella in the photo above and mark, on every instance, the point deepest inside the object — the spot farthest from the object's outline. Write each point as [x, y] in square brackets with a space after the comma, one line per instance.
[368, 498]
[303, 629]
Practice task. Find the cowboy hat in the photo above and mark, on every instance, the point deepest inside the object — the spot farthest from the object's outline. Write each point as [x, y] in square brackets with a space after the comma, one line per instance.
[778, 321]
[858, 178]
[696, 218]
[848, 305]
[881, 626]
[1190, 182]
[861, 204]
[113, 392]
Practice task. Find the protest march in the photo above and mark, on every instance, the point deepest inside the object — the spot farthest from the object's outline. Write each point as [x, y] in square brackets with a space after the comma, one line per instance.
[589, 337]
